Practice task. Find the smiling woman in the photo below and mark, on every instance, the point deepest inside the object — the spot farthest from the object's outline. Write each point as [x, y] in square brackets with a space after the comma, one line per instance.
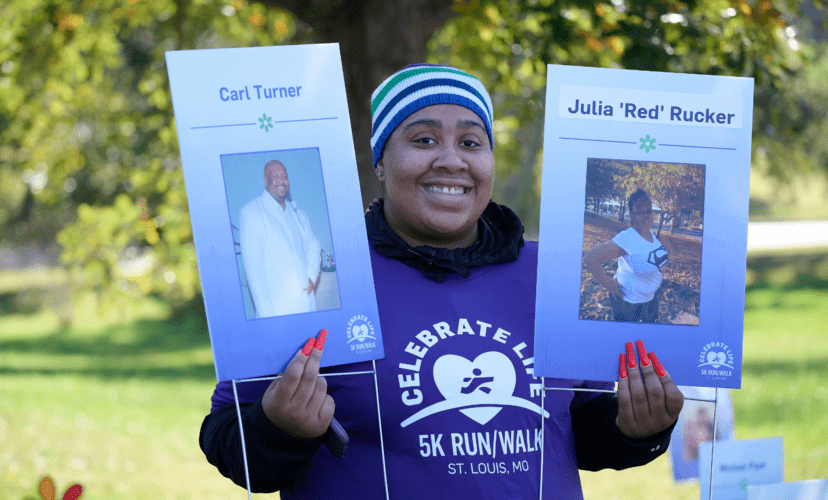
[455, 285]
[437, 169]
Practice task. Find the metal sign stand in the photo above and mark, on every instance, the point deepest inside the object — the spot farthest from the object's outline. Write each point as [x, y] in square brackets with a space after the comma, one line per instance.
[715, 402]
[713, 442]
[241, 426]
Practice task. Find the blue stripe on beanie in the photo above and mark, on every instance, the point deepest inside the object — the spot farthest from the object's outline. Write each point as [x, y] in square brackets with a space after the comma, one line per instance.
[424, 85]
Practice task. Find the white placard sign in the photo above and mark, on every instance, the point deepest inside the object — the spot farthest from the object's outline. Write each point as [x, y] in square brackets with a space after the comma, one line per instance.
[684, 141]
[275, 205]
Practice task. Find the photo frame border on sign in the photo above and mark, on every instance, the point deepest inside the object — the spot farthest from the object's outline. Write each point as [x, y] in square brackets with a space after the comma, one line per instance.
[306, 185]
[690, 237]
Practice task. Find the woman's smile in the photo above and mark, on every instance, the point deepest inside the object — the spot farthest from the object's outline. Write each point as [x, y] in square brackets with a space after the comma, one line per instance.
[438, 172]
[454, 190]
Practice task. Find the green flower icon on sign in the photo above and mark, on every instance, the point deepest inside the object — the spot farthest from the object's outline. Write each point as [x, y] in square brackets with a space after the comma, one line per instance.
[743, 485]
[647, 144]
[265, 123]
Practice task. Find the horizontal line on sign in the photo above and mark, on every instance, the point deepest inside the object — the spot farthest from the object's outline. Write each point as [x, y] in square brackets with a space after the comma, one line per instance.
[274, 377]
[282, 121]
[594, 140]
[578, 389]
[697, 147]
[219, 126]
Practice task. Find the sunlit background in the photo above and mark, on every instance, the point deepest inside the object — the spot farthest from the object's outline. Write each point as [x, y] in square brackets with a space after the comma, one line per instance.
[105, 362]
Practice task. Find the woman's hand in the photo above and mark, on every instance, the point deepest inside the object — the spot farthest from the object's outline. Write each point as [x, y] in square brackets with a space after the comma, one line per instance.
[645, 407]
[298, 402]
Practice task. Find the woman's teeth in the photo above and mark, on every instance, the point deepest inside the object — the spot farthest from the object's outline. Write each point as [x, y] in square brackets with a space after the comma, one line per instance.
[446, 190]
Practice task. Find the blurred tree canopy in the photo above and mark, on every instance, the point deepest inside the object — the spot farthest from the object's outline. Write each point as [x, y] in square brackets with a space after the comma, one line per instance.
[678, 190]
[88, 149]
[509, 43]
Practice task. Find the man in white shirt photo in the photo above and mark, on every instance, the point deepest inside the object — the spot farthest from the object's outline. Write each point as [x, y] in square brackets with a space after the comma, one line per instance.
[280, 252]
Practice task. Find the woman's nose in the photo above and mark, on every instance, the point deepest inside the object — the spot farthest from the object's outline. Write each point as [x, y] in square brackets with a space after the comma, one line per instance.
[450, 157]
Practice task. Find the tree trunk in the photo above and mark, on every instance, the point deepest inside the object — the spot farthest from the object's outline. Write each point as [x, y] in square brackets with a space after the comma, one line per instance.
[376, 38]
[660, 223]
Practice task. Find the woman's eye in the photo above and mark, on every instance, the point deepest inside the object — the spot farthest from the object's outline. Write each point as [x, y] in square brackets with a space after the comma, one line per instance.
[468, 143]
[425, 140]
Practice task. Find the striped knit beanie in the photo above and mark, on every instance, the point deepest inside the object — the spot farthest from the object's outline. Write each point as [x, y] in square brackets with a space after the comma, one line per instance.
[418, 86]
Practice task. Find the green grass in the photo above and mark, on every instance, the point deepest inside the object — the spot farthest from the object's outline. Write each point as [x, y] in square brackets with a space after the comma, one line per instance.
[784, 388]
[801, 197]
[785, 377]
[115, 403]
[114, 408]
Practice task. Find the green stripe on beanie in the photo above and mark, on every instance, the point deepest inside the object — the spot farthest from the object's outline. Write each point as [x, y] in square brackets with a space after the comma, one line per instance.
[418, 86]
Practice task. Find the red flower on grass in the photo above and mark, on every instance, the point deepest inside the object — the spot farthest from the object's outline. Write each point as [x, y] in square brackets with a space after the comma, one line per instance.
[47, 490]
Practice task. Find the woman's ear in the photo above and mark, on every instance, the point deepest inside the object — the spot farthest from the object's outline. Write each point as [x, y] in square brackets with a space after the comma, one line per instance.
[380, 169]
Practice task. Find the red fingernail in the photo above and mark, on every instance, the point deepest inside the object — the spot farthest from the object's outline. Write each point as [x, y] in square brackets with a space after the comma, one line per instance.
[308, 346]
[642, 353]
[320, 340]
[623, 366]
[630, 355]
[657, 365]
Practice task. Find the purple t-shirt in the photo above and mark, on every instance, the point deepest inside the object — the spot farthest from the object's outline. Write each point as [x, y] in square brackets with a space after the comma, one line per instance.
[460, 406]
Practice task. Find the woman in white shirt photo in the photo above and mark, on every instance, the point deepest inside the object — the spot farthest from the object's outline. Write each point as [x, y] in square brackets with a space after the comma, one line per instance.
[641, 255]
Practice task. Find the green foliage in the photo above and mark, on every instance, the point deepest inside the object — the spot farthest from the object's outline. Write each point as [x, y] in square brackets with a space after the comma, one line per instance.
[509, 43]
[88, 148]
[678, 189]
[790, 123]
[117, 408]
[87, 132]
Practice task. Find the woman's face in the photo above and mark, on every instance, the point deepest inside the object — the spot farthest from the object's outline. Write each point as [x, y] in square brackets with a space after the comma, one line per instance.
[438, 171]
[641, 214]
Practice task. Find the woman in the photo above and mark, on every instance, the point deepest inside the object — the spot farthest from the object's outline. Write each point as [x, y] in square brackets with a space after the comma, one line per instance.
[640, 257]
[455, 286]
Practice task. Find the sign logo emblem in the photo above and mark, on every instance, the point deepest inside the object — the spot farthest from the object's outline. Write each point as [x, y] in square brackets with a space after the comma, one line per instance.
[360, 329]
[714, 356]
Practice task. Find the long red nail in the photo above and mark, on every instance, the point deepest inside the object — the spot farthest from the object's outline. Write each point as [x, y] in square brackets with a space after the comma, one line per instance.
[657, 365]
[320, 340]
[630, 355]
[308, 346]
[623, 366]
[642, 353]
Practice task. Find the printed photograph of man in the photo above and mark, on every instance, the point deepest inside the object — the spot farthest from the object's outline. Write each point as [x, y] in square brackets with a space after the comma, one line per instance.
[284, 269]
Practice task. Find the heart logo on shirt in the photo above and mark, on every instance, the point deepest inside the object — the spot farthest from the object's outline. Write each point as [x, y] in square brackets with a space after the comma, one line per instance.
[484, 381]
